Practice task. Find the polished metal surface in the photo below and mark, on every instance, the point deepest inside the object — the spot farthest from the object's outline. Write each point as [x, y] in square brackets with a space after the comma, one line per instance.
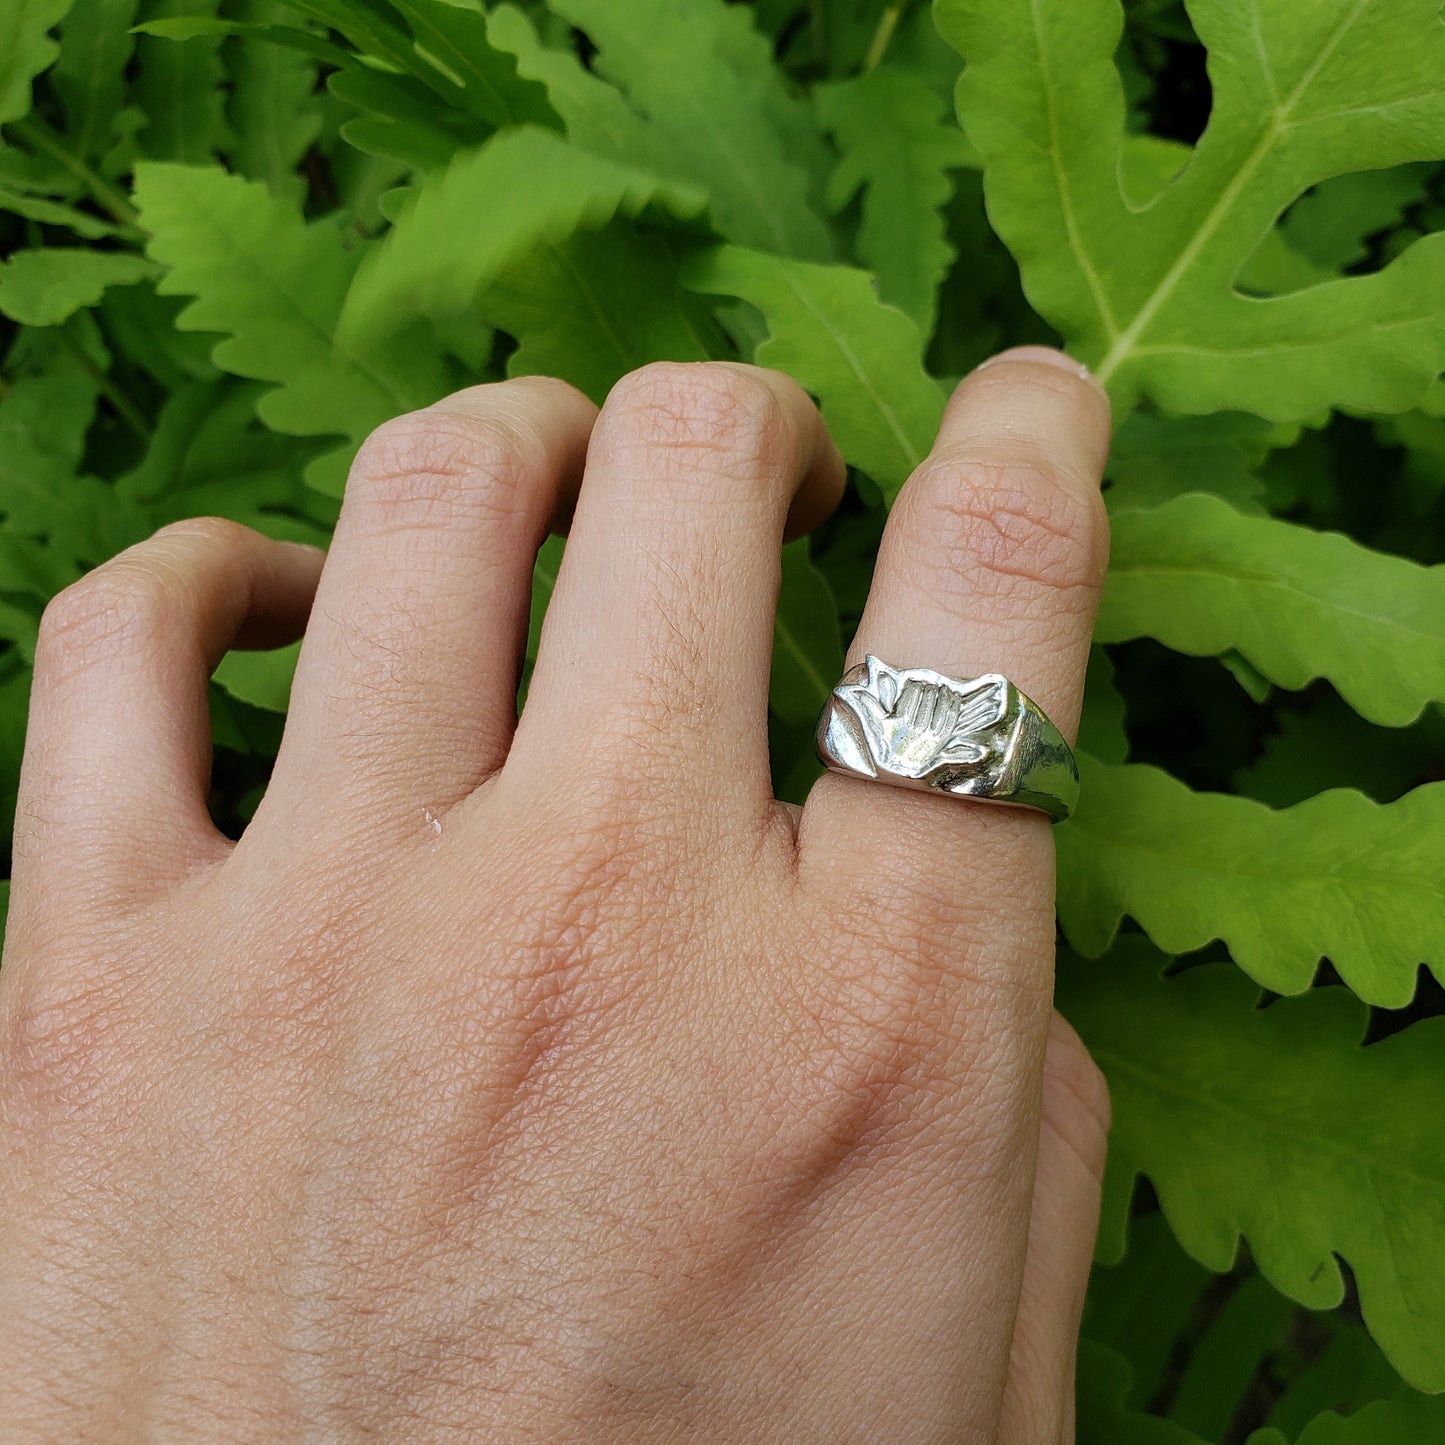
[976, 737]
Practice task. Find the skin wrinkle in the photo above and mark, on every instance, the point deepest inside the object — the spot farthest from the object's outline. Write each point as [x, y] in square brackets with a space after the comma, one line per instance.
[628, 1106]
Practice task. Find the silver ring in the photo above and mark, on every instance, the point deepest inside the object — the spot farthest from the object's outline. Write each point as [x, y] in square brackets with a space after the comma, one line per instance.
[976, 737]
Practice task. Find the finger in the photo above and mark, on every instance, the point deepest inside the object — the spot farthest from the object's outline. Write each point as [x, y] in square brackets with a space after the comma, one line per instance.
[406, 687]
[991, 561]
[1038, 1403]
[118, 752]
[661, 625]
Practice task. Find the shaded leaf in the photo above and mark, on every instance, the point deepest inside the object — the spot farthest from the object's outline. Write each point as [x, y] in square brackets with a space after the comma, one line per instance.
[807, 649]
[1276, 1126]
[593, 306]
[887, 124]
[492, 207]
[26, 48]
[179, 87]
[95, 47]
[719, 111]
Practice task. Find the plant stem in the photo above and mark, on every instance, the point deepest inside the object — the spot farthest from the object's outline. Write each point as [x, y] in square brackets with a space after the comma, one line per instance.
[124, 407]
[107, 196]
[887, 24]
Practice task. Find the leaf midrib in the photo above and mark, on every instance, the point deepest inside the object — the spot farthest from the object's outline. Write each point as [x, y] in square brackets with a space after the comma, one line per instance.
[1235, 1114]
[1276, 584]
[1279, 120]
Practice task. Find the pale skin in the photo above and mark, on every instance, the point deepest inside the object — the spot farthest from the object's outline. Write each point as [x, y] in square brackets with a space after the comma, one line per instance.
[549, 1080]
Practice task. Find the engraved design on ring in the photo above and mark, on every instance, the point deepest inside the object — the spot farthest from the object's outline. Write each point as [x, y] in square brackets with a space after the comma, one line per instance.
[976, 737]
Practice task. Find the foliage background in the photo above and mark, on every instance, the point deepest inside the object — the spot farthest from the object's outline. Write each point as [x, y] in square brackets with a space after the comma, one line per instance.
[240, 233]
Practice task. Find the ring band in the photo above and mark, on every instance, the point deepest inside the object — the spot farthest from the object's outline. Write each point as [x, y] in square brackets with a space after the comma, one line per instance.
[977, 737]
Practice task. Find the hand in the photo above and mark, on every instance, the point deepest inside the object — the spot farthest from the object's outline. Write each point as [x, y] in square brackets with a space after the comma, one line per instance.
[922, 724]
[548, 1080]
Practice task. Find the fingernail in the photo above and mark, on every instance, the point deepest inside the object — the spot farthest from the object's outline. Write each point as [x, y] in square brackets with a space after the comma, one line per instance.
[1043, 356]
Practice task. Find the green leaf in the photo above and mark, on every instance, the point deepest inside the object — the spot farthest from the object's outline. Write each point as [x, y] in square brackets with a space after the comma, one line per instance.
[544, 579]
[859, 357]
[398, 117]
[1297, 604]
[1346, 1375]
[274, 286]
[1332, 223]
[26, 48]
[455, 35]
[1330, 746]
[1156, 458]
[1101, 723]
[492, 207]
[273, 110]
[262, 679]
[1275, 1126]
[1141, 1305]
[52, 213]
[596, 115]
[46, 287]
[1337, 877]
[1146, 295]
[898, 153]
[1103, 1416]
[593, 306]
[288, 37]
[720, 112]
[89, 75]
[209, 456]
[179, 87]
[807, 647]
[1410, 1420]
[1226, 1358]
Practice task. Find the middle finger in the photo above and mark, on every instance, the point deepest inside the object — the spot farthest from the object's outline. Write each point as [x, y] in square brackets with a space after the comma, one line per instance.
[654, 659]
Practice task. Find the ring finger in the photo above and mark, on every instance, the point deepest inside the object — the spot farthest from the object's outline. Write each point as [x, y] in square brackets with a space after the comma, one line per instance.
[992, 561]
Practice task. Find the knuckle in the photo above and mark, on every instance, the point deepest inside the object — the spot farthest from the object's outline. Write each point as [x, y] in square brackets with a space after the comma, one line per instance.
[731, 415]
[1020, 524]
[217, 530]
[60, 1043]
[120, 606]
[441, 468]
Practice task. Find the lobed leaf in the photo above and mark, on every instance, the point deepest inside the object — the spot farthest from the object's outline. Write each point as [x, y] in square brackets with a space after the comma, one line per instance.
[96, 45]
[273, 109]
[894, 149]
[1410, 1420]
[273, 286]
[26, 48]
[719, 111]
[456, 37]
[44, 287]
[1274, 1125]
[179, 88]
[1105, 1417]
[595, 305]
[1337, 877]
[1145, 290]
[860, 357]
[1297, 604]
[490, 209]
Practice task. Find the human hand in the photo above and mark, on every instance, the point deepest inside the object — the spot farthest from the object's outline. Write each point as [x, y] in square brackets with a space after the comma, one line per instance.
[556, 1084]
